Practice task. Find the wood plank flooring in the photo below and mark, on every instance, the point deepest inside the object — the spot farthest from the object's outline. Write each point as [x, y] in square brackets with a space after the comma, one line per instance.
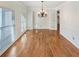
[41, 43]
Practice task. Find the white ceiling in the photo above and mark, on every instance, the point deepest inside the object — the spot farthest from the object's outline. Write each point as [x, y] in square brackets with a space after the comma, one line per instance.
[47, 4]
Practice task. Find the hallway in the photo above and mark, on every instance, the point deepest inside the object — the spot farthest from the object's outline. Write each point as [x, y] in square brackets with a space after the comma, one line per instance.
[41, 43]
[39, 28]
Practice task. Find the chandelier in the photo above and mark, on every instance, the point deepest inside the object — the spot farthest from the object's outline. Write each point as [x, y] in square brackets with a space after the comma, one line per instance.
[42, 13]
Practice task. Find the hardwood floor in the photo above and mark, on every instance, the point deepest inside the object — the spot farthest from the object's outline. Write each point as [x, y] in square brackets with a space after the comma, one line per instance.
[42, 43]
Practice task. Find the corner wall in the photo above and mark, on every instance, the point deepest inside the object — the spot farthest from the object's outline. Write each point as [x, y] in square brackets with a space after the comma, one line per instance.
[69, 22]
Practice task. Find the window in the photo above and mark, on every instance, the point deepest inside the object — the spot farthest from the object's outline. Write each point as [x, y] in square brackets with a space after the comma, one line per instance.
[23, 23]
[7, 27]
[0, 25]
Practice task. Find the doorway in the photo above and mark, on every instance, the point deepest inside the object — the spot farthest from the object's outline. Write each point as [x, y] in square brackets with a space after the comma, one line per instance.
[58, 21]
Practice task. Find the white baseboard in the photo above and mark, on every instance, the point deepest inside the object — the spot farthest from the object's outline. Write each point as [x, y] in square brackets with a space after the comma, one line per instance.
[7, 48]
[52, 29]
[70, 40]
[10, 44]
